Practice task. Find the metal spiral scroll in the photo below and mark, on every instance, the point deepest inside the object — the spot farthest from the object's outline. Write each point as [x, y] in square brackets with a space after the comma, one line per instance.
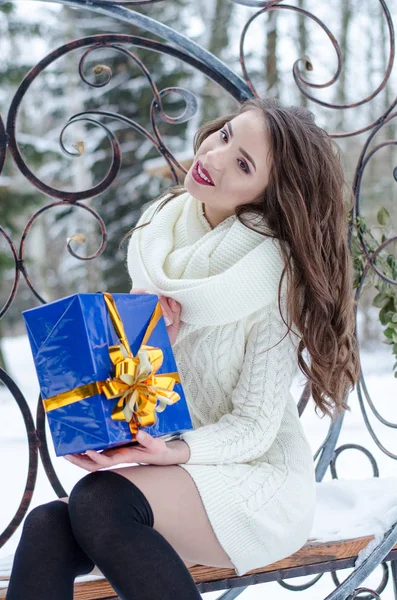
[37, 433]
[240, 88]
[327, 454]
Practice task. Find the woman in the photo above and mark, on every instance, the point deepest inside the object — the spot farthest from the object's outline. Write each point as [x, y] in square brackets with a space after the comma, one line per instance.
[252, 267]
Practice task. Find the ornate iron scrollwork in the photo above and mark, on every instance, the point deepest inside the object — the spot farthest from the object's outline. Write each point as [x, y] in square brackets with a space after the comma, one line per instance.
[240, 88]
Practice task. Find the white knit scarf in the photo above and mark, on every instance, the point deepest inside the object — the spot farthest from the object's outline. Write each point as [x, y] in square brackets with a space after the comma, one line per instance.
[218, 275]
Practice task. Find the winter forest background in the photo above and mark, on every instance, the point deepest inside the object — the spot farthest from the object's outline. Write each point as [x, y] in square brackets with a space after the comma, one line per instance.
[28, 31]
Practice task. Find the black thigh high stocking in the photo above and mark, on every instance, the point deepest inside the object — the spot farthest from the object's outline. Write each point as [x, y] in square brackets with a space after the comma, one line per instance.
[113, 522]
[108, 523]
[48, 558]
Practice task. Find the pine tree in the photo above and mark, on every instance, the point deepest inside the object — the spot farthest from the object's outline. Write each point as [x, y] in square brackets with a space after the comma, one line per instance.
[120, 206]
[18, 199]
[58, 94]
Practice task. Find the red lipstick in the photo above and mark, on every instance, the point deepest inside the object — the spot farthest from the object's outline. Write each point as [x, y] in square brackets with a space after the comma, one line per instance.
[197, 177]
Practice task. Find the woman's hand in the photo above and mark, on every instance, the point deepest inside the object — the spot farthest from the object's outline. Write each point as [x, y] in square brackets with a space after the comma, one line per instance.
[171, 311]
[152, 451]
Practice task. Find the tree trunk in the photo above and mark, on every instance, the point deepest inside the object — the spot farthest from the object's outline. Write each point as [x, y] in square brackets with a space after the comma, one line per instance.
[346, 14]
[218, 44]
[302, 44]
[271, 73]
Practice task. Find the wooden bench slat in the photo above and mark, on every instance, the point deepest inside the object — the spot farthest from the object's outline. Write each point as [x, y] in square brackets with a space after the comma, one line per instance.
[310, 554]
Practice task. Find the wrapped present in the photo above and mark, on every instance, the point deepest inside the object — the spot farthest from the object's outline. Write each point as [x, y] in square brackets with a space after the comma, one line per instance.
[106, 369]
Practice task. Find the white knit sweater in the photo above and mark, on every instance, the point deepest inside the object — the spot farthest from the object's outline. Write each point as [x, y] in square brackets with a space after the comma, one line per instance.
[250, 458]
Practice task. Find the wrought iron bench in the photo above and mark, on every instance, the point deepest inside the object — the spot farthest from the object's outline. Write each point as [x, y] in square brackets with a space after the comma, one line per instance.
[316, 557]
[312, 558]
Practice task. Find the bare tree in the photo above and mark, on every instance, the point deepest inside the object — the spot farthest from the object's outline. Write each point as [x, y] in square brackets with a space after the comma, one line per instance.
[303, 42]
[218, 44]
[345, 21]
[271, 73]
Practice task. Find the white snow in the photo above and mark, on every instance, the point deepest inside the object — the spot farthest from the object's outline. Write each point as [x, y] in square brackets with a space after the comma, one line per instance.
[354, 505]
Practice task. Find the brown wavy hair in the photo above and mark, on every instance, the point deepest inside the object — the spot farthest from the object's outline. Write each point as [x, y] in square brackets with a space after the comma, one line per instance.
[304, 207]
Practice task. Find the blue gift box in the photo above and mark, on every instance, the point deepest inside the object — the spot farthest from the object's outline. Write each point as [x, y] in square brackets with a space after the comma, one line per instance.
[70, 340]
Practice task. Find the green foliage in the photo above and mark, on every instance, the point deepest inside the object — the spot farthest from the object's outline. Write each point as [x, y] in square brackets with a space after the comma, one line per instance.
[385, 261]
[119, 206]
[13, 204]
[7, 8]
[18, 198]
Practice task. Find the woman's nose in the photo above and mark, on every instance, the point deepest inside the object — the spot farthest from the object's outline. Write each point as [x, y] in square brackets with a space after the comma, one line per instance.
[215, 159]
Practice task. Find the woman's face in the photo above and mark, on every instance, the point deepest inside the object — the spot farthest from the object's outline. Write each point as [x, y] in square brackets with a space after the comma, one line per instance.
[236, 161]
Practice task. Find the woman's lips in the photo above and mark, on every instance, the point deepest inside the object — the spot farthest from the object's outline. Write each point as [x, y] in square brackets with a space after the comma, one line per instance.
[197, 177]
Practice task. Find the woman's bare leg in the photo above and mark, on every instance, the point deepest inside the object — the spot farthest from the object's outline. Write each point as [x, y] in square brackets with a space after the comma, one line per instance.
[179, 514]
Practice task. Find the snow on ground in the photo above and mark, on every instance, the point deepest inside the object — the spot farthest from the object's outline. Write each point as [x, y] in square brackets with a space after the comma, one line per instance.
[382, 386]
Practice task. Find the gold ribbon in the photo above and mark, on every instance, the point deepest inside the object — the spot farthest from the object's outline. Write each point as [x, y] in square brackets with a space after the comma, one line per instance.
[134, 381]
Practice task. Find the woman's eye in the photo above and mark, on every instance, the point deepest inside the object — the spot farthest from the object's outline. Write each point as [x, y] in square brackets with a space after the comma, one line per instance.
[242, 164]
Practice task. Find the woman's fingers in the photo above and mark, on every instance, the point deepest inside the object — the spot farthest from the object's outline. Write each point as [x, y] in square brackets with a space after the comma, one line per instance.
[92, 460]
[174, 319]
[119, 452]
[99, 458]
[176, 308]
[82, 461]
[150, 443]
[170, 307]
[150, 450]
[168, 316]
[169, 304]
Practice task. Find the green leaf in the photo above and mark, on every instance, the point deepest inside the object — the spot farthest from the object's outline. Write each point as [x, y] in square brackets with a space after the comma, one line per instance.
[383, 216]
[389, 334]
[386, 315]
[391, 305]
[391, 261]
[383, 316]
[387, 290]
[380, 300]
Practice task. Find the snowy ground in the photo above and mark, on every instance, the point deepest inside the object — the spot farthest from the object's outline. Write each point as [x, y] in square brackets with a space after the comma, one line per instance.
[382, 386]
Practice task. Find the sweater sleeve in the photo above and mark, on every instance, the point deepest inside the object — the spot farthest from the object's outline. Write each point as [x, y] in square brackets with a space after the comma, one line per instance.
[258, 401]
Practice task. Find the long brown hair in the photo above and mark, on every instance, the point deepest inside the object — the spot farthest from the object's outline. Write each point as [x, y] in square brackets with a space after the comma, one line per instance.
[304, 207]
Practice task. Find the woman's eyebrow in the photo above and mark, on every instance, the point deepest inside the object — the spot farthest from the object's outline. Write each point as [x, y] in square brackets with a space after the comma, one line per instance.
[243, 152]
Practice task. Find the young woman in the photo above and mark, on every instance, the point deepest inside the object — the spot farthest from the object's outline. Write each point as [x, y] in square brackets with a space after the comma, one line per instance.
[251, 263]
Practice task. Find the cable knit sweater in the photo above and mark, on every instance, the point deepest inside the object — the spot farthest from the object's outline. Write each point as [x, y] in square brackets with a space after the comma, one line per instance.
[250, 458]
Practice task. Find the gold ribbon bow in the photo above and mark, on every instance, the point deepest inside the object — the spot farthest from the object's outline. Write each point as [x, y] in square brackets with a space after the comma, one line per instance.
[135, 380]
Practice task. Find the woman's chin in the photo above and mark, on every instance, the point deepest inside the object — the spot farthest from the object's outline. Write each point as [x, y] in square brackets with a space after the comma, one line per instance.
[189, 186]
